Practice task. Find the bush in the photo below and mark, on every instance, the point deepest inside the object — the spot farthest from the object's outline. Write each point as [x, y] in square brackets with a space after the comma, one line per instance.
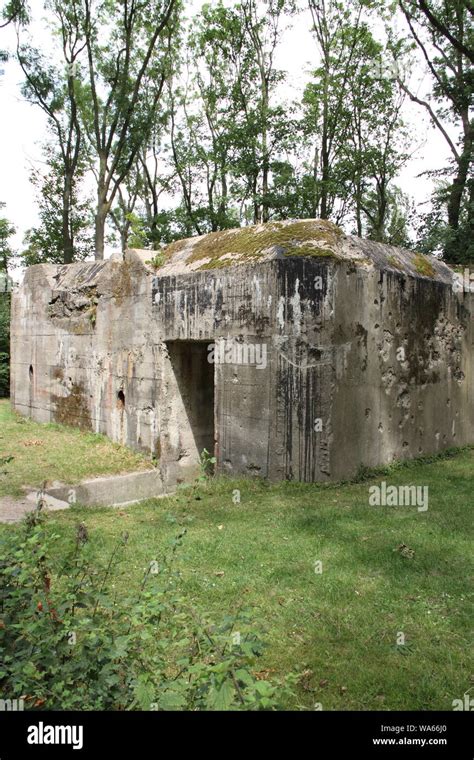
[69, 643]
[4, 345]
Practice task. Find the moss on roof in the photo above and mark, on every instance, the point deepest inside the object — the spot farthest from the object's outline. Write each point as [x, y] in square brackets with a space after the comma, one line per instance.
[306, 238]
[220, 249]
[424, 266]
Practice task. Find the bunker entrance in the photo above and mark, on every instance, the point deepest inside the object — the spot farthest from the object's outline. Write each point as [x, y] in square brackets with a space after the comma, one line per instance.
[195, 381]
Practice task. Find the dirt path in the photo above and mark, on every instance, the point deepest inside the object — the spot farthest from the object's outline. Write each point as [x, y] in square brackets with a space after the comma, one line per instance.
[13, 510]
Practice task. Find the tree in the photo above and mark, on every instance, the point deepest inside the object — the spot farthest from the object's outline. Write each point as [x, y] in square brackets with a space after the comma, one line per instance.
[14, 11]
[6, 251]
[130, 52]
[444, 36]
[52, 87]
[336, 27]
[6, 256]
[4, 344]
[352, 112]
[45, 242]
[227, 126]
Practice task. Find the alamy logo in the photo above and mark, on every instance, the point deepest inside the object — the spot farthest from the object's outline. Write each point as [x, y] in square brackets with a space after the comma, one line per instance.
[463, 282]
[467, 703]
[42, 734]
[399, 496]
[230, 351]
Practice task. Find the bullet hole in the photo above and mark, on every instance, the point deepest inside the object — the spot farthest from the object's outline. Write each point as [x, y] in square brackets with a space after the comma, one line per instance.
[120, 400]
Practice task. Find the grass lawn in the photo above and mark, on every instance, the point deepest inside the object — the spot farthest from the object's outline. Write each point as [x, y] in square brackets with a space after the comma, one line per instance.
[55, 452]
[338, 628]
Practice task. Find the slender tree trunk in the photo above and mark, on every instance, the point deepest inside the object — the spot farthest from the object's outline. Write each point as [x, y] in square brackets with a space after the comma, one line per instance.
[124, 237]
[358, 209]
[102, 211]
[100, 219]
[256, 205]
[456, 193]
[68, 243]
[315, 202]
[223, 200]
[325, 156]
[265, 156]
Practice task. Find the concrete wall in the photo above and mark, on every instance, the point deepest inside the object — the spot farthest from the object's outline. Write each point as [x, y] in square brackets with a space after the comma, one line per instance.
[383, 363]
[349, 364]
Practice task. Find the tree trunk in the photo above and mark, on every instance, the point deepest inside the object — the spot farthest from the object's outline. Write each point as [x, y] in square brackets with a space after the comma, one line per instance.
[68, 243]
[456, 193]
[100, 219]
[265, 156]
[103, 209]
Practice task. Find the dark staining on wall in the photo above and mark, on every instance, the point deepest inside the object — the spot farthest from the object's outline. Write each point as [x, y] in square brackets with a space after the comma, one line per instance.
[299, 396]
[73, 408]
[425, 308]
[308, 278]
[121, 281]
[362, 334]
[302, 380]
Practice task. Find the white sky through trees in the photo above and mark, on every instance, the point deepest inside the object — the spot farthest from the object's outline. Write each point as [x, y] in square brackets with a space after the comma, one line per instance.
[23, 126]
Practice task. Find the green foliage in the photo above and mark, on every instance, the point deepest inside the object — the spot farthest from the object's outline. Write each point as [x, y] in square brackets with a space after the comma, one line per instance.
[160, 109]
[157, 261]
[68, 641]
[352, 123]
[207, 463]
[443, 34]
[6, 251]
[46, 242]
[4, 345]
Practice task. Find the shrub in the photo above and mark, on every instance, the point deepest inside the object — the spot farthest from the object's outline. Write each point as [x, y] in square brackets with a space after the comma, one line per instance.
[4, 345]
[68, 642]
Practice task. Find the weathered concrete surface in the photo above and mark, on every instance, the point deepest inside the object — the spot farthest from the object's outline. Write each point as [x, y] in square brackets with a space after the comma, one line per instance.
[334, 352]
[109, 491]
[113, 490]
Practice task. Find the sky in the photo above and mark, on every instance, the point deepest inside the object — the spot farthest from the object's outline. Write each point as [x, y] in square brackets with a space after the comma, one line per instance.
[23, 126]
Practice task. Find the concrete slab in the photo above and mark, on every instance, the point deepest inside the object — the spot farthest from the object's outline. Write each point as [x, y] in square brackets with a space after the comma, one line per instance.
[111, 491]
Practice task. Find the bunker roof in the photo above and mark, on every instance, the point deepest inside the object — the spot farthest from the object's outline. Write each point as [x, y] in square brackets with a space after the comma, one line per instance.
[313, 238]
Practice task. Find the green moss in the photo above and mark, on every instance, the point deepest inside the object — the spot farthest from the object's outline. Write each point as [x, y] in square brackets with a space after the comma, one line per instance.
[73, 409]
[424, 266]
[394, 262]
[245, 244]
[157, 261]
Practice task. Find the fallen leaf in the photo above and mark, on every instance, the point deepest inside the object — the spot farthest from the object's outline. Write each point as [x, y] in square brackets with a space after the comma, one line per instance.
[263, 675]
[405, 551]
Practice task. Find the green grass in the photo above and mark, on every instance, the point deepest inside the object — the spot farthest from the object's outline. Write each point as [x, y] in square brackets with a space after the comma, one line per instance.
[339, 628]
[55, 452]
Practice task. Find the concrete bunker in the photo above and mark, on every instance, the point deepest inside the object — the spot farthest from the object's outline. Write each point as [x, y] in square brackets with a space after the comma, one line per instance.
[343, 352]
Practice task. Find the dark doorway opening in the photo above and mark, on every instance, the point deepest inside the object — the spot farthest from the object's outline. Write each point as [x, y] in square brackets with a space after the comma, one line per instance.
[195, 380]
